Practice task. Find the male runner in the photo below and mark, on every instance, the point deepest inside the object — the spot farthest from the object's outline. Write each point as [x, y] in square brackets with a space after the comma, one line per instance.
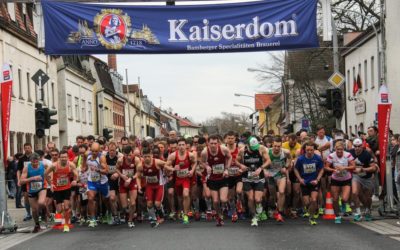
[217, 159]
[253, 159]
[61, 182]
[129, 184]
[33, 177]
[184, 164]
[113, 178]
[22, 163]
[309, 169]
[277, 175]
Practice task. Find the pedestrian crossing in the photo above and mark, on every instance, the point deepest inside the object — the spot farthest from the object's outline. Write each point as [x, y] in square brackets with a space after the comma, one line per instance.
[382, 228]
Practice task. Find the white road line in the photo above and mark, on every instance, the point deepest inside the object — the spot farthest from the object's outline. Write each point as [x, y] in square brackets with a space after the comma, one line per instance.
[380, 227]
[18, 238]
[387, 225]
[395, 238]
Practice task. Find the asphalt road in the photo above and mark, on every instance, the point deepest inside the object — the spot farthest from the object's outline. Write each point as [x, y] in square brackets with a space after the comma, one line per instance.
[293, 234]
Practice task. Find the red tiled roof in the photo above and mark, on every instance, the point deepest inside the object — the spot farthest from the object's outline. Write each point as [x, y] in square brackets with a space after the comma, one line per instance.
[261, 101]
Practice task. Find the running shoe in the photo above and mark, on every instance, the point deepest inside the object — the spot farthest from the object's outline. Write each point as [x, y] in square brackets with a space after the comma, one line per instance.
[279, 218]
[338, 220]
[214, 213]
[131, 224]
[263, 216]
[321, 211]
[82, 221]
[306, 215]
[368, 217]
[190, 214]
[160, 220]
[239, 207]
[209, 216]
[254, 222]
[348, 209]
[220, 221]
[66, 229]
[74, 219]
[28, 217]
[234, 217]
[357, 217]
[185, 219]
[36, 229]
[110, 219]
[315, 216]
[197, 216]
[154, 224]
[171, 216]
[92, 223]
[313, 222]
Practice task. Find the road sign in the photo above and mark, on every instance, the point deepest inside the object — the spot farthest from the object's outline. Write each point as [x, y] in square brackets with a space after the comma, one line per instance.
[336, 80]
[40, 78]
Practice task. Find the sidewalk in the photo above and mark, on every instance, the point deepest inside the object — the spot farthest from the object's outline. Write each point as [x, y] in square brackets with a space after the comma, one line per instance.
[18, 214]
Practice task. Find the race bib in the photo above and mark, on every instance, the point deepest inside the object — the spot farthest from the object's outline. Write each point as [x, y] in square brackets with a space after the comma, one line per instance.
[111, 169]
[36, 186]
[361, 174]
[341, 173]
[276, 166]
[309, 168]
[233, 171]
[127, 172]
[152, 179]
[95, 177]
[218, 169]
[62, 181]
[251, 175]
[182, 173]
[84, 196]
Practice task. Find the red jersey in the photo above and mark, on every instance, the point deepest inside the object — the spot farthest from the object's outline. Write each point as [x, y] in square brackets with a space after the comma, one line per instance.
[128, 169]
[233, 170]
[61, 177]
[217, 164]
[152, 173]
[184, 165]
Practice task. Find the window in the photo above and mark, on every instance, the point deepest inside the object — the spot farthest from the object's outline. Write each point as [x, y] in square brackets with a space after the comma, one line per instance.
[69, 107]
[53, 96]
[20, 142]
[372, 72]
[83, 111]
[354, 78]
[28, 84]
[359, 74]
[366, 75]
[28, 138]
[13, 86]
[348, 83]
[12, 143]
[20, 84]
[90, 112]
[77, 111]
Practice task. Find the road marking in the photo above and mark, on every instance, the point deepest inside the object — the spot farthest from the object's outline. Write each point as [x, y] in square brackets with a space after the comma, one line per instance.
[380, 227]
[17, 238]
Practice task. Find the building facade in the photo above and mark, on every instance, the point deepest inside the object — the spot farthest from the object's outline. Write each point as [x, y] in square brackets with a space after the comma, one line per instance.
[18, 48]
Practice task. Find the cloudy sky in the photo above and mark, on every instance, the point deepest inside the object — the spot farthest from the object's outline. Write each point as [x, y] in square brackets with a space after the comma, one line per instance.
[199, 86]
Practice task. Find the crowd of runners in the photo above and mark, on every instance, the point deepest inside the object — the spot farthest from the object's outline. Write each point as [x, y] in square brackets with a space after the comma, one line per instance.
[213, 178]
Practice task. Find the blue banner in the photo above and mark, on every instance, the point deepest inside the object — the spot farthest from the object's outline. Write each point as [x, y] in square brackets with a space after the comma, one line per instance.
[83, 28]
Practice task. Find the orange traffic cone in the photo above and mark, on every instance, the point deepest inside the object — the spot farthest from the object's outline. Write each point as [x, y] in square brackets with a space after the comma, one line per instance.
[58, 221]
[329, 212]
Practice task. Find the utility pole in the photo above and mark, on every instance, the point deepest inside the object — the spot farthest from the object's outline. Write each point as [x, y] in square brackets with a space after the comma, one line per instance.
[129, 103]
[140, 110]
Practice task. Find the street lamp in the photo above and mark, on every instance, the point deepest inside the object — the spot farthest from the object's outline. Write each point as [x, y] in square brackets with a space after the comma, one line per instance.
[244, 106]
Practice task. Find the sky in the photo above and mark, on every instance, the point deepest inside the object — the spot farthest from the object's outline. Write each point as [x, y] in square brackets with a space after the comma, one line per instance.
[199, 86]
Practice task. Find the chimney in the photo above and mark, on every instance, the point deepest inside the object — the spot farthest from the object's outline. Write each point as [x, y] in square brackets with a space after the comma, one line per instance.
[112, 62]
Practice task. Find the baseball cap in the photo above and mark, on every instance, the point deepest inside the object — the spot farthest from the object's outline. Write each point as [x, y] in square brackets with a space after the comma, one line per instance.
[253, 143]
[357, 142]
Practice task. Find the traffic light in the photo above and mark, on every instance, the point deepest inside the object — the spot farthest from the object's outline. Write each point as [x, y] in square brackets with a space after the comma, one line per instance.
[39, 120]
[337, 103]
[107, 133]
[48, 113]
[327, 103]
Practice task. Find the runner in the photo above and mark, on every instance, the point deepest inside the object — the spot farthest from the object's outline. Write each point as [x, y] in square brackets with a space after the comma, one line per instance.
[152, 172]
[97, 180]
[216, 159]
[309, 169]
[340, 163]
[363, 180]
[172, 145]
[22, 163]
[83, 174]
[127, 167]
[184, 164]
[61, 183]
[33, 177]
[235, 183]
[113, 178]
[253, 159]
[277, 174]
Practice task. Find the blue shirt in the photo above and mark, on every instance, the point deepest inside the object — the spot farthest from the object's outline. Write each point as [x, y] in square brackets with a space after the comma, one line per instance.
[309, 167]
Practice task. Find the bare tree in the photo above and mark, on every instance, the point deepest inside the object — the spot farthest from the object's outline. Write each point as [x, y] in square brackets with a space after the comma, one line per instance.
[226, 122]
